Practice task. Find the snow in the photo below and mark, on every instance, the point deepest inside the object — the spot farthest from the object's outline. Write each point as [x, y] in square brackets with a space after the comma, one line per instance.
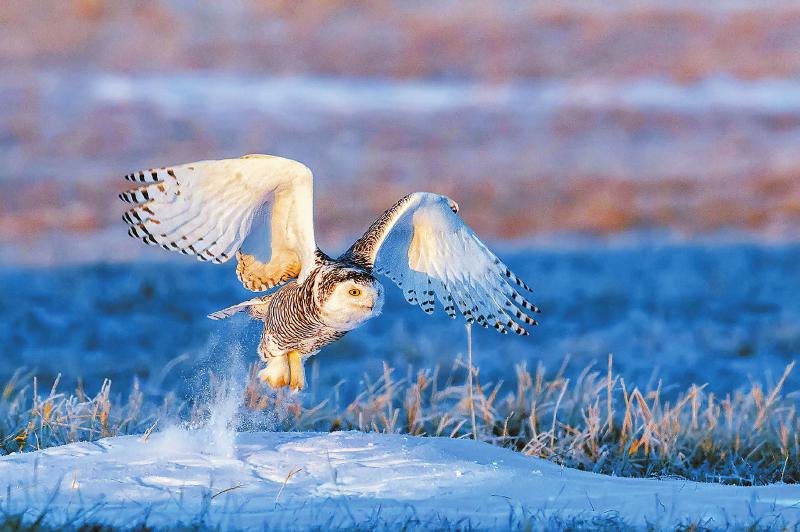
[297, 480]
[714, 314]
[180, 92]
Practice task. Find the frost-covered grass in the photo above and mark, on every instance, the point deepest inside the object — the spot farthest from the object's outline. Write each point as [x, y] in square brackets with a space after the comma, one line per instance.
[529, 522]
[682, 313]
[672, 315]
[595, 422]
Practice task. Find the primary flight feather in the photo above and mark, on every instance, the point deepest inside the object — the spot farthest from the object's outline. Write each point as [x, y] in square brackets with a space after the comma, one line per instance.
[216, 209]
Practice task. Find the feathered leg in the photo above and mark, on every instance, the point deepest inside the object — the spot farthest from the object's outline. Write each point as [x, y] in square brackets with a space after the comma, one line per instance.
[296, 371]
[276, 374]
[285, 370]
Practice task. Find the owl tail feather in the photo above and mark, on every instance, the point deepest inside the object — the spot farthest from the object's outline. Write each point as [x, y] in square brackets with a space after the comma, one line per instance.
[256, 307]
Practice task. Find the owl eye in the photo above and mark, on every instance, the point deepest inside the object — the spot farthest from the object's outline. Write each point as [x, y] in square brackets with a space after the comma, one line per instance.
[355, 292]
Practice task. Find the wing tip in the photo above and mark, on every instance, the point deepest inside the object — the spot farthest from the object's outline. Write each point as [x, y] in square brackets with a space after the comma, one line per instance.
[223, 313]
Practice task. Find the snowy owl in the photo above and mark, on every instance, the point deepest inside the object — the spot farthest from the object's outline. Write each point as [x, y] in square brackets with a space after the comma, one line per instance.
[217, 210]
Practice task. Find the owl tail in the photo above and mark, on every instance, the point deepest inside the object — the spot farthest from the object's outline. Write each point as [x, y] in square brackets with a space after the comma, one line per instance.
[256, 307]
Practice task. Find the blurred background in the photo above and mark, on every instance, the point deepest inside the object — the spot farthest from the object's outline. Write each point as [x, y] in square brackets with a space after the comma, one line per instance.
[639, 162]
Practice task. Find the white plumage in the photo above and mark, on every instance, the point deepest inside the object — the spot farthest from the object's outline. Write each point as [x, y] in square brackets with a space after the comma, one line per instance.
[209, 208]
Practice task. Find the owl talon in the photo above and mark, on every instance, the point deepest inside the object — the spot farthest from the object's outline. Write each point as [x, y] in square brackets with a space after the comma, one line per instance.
[276, 374]
[297, 373]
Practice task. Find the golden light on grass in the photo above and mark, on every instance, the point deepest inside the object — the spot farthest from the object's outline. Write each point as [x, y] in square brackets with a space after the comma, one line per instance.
[593, 421]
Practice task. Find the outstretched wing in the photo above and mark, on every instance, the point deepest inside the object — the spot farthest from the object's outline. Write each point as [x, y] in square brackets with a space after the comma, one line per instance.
[429, 252]
[207, 209]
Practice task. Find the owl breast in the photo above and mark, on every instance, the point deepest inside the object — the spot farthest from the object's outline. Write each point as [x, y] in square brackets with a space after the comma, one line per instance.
[293, 322]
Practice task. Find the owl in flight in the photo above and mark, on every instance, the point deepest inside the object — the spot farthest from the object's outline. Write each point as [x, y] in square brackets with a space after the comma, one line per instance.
[217, 210]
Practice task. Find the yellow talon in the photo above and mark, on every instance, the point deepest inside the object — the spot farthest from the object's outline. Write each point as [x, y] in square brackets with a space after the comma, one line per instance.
[297, 373]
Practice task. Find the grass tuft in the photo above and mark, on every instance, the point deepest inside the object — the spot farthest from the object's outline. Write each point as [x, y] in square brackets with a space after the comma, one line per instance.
[593, 422]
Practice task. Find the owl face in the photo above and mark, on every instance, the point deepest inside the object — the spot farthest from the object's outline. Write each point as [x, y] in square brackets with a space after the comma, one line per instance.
[350, 301]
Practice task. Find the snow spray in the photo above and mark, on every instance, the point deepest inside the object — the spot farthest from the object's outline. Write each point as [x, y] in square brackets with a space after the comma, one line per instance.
[217, 387]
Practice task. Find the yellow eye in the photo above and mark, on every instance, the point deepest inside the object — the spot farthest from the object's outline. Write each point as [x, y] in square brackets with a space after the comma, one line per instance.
[355, 292]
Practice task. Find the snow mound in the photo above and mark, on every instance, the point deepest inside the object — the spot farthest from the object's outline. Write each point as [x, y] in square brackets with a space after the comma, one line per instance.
[297, 480]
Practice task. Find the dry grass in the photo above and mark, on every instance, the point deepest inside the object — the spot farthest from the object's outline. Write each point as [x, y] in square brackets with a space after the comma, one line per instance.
[593, 422]
[31, 420]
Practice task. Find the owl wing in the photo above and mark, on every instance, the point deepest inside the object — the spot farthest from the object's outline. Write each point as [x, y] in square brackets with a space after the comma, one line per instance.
[425, 248]
[207, 209]
[256, 307]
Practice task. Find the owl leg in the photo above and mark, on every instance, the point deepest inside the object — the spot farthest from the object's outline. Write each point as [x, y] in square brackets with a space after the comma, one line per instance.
[276, 374]
[297, 372]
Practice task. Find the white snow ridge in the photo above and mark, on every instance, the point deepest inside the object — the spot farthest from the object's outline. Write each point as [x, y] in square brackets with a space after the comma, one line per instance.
[299, 480]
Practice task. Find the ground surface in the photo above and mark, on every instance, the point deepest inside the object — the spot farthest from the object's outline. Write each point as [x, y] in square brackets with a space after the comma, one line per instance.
[680, 313]
[293, 480]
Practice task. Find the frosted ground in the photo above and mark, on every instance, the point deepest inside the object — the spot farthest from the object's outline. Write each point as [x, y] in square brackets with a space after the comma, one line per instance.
[681, 313]
[291, 481]
[720, 314]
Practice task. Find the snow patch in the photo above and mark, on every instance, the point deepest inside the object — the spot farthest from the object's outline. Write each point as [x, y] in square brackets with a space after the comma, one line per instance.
[296, 480]
[181, 92]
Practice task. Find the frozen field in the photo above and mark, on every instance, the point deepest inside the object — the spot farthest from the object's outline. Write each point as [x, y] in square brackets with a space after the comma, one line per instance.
[723, 314]
[301, 480]
[635, 162]
[688, 314]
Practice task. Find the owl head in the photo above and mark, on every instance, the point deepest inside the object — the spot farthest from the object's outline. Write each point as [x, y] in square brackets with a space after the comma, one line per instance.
[348, 297]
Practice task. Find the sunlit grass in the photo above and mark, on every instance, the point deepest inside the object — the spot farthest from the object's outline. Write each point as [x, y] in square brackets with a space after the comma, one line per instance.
[595, 421]
[31, 419]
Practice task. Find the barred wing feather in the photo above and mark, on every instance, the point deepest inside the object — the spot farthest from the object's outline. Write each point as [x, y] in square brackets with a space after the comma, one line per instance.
[207, 209]
[425, 248]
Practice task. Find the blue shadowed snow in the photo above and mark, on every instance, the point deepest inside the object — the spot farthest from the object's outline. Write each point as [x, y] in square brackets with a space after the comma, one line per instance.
[682, 313]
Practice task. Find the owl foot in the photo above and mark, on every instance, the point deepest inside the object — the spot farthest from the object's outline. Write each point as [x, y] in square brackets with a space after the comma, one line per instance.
[276, 374]
[297, 372]
[286, 370]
